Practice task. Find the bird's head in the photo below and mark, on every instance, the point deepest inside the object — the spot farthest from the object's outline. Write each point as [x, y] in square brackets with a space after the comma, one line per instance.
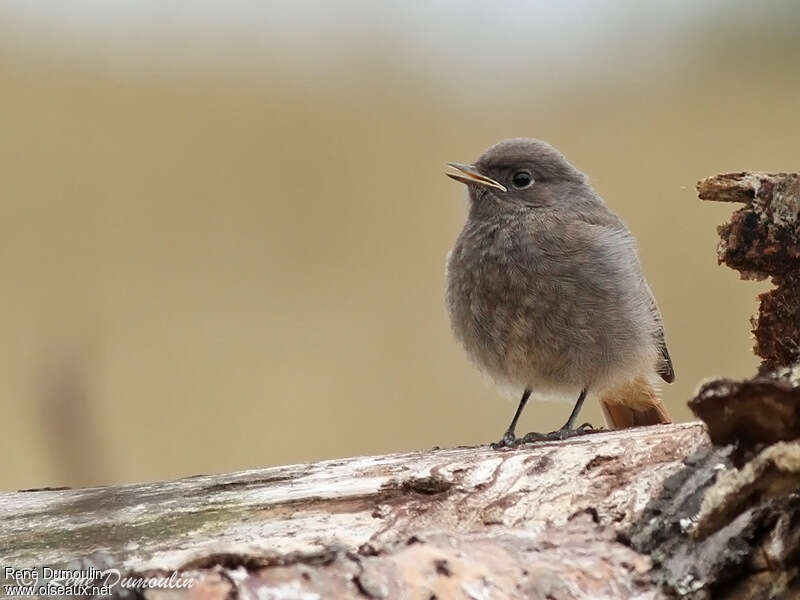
[520, 172]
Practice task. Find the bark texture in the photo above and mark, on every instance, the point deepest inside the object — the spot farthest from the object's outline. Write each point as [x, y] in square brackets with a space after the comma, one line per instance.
[758, 419]
[540, 521]
[646, 513]
[763, 240]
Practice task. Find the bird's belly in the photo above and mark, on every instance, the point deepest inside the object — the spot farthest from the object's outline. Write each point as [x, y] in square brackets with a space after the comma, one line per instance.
[537, 331]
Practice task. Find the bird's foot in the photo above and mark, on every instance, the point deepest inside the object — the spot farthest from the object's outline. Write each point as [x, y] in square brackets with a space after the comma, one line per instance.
[561, 434]
[553, 436]
[509, 440]
[586, 428]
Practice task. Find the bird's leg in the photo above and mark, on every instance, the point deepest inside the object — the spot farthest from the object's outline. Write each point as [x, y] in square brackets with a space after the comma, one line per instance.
[567, 430]
[509, 437]
[575, 412]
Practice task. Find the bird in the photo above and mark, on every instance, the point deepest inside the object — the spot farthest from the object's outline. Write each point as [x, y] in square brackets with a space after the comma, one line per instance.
[545, 291]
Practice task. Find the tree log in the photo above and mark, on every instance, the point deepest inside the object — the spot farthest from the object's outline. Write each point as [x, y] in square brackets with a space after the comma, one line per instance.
[539, 521]
[583, 518]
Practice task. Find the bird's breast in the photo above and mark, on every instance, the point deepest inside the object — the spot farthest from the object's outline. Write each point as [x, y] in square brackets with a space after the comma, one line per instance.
[502, 310]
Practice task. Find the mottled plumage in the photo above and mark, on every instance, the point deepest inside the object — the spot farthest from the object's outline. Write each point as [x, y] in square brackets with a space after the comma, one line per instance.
[544, 286]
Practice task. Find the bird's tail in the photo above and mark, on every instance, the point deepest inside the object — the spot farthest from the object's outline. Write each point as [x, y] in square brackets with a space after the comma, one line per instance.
[633, 404]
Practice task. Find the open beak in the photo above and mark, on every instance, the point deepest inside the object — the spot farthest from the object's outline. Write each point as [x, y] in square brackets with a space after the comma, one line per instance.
[468, 174]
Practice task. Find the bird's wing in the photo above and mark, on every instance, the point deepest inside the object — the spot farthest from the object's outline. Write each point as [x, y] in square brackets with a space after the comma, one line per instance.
[664, 369]
[605, 218]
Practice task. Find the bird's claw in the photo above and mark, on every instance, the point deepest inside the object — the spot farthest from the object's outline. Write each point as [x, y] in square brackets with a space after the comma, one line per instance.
[509, 440]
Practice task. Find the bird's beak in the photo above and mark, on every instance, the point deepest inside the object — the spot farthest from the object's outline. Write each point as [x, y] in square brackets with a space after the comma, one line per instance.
[469, 174]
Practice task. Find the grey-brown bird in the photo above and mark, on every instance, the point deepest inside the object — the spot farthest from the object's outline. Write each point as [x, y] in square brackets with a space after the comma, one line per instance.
[545, 290]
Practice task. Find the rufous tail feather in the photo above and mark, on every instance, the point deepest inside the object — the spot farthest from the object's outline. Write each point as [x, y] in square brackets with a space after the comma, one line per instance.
[633, 404]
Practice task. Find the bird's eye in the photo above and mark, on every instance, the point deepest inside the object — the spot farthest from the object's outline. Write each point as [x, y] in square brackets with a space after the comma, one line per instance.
[521, 179]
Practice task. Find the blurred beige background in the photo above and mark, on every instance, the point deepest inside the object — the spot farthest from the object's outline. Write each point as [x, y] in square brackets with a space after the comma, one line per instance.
[223, 225]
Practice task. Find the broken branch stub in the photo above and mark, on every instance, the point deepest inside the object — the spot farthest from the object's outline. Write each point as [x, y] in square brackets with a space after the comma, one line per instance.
[762, 240]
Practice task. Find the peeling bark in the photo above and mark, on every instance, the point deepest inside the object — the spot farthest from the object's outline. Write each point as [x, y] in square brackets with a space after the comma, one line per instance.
[763, 240]
[751, 414]
[540, 521]
[646, 513]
